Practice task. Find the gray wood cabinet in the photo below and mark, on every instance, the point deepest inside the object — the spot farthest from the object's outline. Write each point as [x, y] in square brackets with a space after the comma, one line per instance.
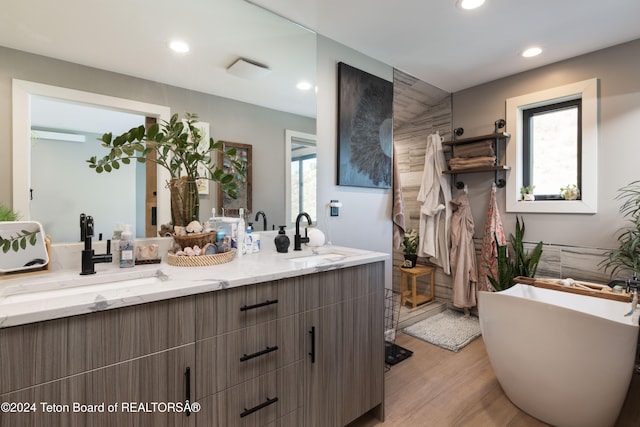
[301, 351]
[126, 357]
[345, 379]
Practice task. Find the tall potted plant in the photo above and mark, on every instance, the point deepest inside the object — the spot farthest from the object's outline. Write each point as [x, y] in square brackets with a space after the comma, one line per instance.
[627, 255]
[181, 150]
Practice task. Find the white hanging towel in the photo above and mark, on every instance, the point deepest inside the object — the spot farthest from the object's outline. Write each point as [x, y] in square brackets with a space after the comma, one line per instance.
[435, 213]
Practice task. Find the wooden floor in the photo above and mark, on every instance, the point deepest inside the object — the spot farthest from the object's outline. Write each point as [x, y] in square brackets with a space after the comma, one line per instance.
[439, 388]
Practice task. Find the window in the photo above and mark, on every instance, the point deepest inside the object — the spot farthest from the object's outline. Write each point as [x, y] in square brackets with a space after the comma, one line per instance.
[300, 175]
[552, 143]
[303, 184]
[545, 170]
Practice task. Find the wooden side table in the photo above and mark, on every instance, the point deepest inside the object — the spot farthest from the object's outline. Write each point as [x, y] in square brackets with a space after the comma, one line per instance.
[409, 276]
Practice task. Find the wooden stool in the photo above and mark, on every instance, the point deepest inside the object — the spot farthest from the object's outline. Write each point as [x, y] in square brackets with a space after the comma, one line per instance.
[411, 275]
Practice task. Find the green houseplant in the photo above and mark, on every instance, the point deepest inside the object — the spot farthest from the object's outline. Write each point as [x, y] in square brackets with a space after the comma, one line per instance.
[181, 150]
[410, 242]
[570, 192]
[527, 192]
[627, 255]
[521, 263]
[18, 241]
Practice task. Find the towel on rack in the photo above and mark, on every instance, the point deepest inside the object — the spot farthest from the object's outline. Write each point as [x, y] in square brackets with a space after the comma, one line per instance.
[493, 237]
[476, 149]
[435, 210]
[458, 163]
[398, 205]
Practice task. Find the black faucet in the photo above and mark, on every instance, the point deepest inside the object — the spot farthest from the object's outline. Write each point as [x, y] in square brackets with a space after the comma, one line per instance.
[297, 239]
[264, 219]
[628, 283]
[89, 259]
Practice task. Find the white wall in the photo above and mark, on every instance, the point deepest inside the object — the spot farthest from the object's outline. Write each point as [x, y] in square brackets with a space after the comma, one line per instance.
[618, 69]
[365, 215]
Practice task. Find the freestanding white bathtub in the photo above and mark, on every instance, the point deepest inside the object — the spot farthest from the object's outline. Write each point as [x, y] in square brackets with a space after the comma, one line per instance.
[563, 358]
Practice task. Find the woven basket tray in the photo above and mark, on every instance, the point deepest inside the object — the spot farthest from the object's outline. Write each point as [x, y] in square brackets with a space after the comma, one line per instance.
[199, 239]
[201, 260]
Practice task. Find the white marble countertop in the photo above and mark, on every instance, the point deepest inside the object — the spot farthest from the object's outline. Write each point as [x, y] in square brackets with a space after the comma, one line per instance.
[65, 293]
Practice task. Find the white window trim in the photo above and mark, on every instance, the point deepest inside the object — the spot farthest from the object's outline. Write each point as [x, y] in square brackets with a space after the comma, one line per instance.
[588, 91]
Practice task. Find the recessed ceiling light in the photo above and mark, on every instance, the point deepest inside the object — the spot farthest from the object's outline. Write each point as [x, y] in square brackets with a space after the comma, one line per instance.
[532, 51]
[304, 85]
[469, 4]
[178, 46]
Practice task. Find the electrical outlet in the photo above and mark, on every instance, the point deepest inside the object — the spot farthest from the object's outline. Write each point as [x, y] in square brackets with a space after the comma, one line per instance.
[334, 207]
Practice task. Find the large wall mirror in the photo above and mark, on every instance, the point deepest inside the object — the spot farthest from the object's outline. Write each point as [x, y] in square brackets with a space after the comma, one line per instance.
[37, 137]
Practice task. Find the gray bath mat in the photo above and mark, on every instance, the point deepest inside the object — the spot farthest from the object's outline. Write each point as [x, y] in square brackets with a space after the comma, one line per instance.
[449, 329]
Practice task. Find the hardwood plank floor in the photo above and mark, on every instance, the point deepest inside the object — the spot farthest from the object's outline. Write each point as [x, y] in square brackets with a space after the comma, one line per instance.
[439, 388]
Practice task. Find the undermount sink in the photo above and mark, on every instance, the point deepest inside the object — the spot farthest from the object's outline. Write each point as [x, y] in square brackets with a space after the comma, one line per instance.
[323, 255]
[66, 286]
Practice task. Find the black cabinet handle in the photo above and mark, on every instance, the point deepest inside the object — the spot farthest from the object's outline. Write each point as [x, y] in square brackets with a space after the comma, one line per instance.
[313, 344]
[261, 304]
[258, 353]
[187, 375]
[257, 408]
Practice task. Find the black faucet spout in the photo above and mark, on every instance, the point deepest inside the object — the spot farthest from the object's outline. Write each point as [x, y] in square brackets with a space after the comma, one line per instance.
[89, 258]
[264, 219]
[298, 240]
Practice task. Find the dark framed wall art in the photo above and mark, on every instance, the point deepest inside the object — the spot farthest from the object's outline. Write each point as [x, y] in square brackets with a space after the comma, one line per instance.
[365, 128]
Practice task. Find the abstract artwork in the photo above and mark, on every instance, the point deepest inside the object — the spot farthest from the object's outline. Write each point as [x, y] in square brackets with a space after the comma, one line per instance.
[365, 128]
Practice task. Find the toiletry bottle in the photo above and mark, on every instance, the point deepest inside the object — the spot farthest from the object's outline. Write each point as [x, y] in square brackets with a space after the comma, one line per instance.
[282, 241]
[240, 236]
[248, 241]
[126, 248]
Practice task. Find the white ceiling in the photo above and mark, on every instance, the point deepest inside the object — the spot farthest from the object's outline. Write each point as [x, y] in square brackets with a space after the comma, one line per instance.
[429, 39]
[455, 49]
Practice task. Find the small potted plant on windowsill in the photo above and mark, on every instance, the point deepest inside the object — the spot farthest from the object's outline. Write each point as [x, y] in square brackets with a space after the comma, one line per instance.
[410, 244]
[527, 193]
[570, 192]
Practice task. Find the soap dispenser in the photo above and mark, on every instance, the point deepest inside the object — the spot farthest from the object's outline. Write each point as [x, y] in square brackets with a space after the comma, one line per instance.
[127, 248]
[282, 241]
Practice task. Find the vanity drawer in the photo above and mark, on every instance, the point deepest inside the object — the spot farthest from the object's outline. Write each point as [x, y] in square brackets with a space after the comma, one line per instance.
[230, 359]
[273, 399]
[228, 310]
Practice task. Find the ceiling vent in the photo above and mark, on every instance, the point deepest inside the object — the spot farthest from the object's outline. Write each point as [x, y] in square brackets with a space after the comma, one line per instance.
[248, 69]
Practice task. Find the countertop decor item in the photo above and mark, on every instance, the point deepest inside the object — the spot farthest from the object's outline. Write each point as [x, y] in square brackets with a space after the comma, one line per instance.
[181, 150]
[282, 241]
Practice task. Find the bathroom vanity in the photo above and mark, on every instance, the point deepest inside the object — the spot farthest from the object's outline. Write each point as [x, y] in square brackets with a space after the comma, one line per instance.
[268, 339]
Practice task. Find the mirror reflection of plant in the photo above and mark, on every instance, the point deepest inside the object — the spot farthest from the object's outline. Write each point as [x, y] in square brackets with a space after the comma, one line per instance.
[180, 150]
[627, 254]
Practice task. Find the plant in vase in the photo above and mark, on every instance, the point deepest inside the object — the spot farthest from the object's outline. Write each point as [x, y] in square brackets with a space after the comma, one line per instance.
[570, 192]
[181, 150]
[527, 193]
[410, 243]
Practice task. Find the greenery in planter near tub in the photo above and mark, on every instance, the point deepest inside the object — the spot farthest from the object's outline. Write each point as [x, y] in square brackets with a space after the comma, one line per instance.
[520, 263]
[627, 255]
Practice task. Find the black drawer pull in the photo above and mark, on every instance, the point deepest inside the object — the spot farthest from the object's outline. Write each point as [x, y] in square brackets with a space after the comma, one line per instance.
[312, 332]
[261, 304]
[187, 399]
[257, 408]
[259, 353]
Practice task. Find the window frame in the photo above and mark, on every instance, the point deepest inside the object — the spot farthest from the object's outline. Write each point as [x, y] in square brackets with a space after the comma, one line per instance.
[527, 143]
[587, 91]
